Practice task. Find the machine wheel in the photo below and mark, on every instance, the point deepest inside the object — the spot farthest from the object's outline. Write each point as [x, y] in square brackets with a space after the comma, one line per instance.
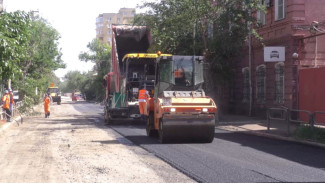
[162, 137]
[151, 132]
[106, 117]
[210, 138]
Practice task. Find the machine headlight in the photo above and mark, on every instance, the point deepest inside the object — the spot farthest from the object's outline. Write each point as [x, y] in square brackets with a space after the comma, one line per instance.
[204, 110]
[172, 110]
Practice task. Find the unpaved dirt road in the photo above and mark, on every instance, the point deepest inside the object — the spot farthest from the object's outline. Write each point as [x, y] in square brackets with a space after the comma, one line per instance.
[74, 145]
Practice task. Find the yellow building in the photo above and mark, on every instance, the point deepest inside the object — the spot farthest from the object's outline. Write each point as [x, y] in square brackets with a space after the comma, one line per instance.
[105, 21]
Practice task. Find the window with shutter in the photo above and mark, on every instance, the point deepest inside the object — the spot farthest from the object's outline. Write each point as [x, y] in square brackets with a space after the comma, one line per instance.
[279, 9]
[279, 83]
[260, 83]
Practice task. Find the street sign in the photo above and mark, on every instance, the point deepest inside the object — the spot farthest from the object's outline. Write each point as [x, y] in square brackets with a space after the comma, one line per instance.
[274, 54]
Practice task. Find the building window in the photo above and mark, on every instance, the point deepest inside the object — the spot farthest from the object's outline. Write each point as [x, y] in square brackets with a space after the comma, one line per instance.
[279, 9]
[261, 15]
[109, 25]
[109, 31]
[261, 83]
[246, 92]
[279, 83]
[99, 19]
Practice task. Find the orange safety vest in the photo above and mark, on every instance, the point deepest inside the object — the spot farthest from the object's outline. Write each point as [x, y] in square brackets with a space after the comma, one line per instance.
[6, 101]
[142, 94]
[47, 102]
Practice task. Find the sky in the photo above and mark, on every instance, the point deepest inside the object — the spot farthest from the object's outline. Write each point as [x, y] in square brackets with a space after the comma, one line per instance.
[75, 21]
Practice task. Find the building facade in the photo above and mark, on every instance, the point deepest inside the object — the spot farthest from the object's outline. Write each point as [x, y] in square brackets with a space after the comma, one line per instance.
[292, 32]
[1, 5]
[105, 21]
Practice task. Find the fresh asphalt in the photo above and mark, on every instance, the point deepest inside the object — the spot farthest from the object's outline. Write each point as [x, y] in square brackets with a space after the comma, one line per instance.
[231, 157]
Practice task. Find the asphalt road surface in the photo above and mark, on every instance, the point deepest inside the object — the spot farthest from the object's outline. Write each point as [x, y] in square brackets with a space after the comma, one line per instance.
[232, 157]
[73, 145]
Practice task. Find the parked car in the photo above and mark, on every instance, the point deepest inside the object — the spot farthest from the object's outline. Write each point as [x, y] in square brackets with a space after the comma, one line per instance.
[76, 96]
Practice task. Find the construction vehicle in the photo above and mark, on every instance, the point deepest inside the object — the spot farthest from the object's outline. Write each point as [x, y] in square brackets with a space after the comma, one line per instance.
[54, 93]
[181, 110]
[132, 68]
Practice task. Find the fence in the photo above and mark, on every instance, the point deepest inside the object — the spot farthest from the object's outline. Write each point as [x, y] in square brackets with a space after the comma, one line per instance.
[15, 112]
[292, 116]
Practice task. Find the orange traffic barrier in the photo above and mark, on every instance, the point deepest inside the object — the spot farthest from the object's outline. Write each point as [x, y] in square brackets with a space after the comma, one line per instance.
[3, 121]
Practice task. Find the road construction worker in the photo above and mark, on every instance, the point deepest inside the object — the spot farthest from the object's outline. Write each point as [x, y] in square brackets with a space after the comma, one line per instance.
[47, 101]
[6, 104]
[143, 99]
[12, 102]
[179, 73]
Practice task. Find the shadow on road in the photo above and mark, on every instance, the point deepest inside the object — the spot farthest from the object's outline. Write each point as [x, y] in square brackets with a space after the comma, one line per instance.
[288, 150]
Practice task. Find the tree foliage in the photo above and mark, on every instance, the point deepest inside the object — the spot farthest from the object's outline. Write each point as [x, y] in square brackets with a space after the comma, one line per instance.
[74, 80]
[14, 38]
[217, 30]
[29, 53]
[100, 54]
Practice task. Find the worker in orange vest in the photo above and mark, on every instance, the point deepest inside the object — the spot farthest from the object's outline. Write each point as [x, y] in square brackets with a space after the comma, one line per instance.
[143, 99]
[47, 101]
[6, 104]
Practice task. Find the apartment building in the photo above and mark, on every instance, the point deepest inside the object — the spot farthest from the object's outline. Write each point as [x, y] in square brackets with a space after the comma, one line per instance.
[105, 21]
[1, 5]
[294, 39]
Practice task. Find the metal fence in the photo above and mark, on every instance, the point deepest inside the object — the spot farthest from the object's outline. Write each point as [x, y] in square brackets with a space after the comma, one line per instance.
[14, 113]
[290, 116]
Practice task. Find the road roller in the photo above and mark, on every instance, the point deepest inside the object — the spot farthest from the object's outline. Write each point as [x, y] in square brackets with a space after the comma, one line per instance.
[181, 110]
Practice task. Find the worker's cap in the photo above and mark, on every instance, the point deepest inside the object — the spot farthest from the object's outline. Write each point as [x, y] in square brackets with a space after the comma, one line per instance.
[6, 91]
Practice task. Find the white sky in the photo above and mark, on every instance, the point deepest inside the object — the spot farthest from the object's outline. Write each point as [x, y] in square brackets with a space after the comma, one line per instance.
[74, 20]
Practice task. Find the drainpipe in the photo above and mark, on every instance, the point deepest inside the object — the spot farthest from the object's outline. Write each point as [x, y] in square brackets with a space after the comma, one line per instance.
[250, 65]
[316, 51]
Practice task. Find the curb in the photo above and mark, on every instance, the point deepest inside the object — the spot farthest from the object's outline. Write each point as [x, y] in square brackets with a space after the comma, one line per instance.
[8, 124]
[277, 137]
[17, 119]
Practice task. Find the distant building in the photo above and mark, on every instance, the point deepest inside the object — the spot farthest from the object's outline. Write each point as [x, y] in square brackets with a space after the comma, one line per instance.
[105, 21]
[1, 5]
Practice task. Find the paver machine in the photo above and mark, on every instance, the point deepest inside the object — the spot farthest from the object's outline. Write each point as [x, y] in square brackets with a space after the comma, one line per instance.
[132, 67]
[181, 110]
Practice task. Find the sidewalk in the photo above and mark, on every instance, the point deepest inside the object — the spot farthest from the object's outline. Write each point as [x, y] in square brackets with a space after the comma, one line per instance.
[258, 127]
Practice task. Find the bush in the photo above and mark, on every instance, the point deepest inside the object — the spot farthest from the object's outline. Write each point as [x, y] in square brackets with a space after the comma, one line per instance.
[307, 133]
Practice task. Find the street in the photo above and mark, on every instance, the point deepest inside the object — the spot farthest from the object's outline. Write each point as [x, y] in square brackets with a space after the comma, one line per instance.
[74, 145]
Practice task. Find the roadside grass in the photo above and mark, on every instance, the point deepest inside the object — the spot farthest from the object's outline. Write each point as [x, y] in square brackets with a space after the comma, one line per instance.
[307, 133]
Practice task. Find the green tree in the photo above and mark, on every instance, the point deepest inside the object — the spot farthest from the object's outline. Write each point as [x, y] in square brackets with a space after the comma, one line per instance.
[14, 39]
[74, 81]
[217, 30]
[29, 54]
[41, 59]
[100, 54]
